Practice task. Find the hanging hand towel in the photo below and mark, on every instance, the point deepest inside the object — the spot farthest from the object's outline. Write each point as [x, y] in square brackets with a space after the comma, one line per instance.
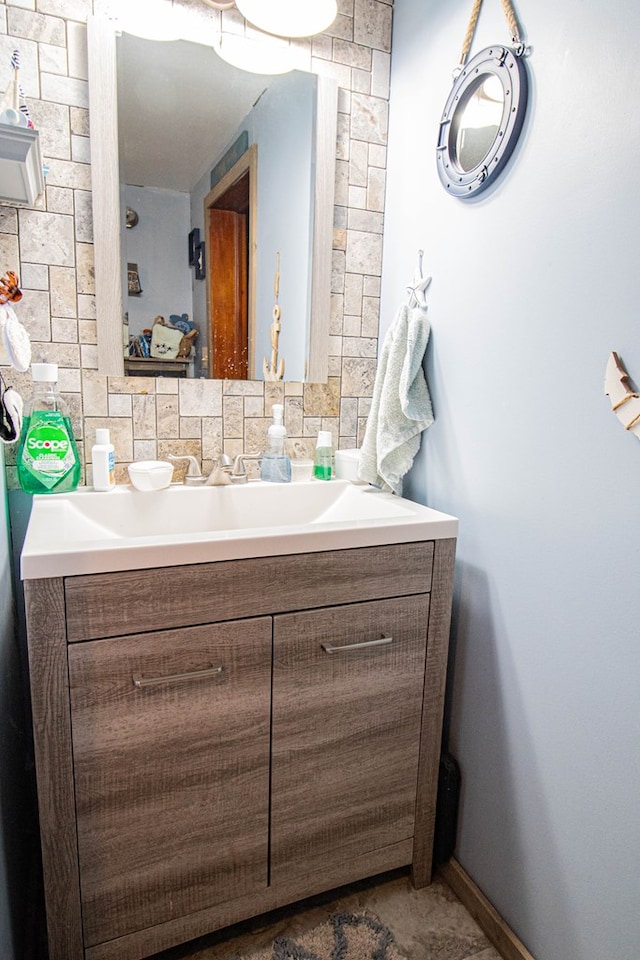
[401, 405]
[15, 345]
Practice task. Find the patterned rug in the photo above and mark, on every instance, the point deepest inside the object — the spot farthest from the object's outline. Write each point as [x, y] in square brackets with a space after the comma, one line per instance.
[344, 936]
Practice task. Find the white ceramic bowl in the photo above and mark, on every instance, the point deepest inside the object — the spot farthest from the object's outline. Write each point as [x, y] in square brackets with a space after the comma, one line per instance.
[150, 474]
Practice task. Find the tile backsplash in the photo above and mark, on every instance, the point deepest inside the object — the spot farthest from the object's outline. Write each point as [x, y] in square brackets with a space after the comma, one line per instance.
[51, 248]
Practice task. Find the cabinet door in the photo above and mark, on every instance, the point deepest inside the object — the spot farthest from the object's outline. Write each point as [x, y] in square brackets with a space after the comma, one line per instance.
[171, 765]
[346, 732]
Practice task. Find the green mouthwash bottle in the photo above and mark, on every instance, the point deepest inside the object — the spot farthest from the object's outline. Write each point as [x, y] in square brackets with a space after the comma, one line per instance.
[323, 459]
[48, 460]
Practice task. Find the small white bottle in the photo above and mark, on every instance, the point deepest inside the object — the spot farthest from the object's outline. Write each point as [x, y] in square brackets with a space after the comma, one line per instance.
[103, 461]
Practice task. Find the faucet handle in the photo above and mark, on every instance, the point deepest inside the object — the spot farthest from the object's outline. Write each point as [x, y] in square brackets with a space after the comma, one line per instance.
[239, 472]
[193, 474]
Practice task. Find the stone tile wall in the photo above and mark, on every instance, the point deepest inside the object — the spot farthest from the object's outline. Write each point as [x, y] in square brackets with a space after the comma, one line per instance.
[51, 248]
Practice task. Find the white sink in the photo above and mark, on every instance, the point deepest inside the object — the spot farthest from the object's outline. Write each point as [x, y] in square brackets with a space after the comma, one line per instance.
[90, 532]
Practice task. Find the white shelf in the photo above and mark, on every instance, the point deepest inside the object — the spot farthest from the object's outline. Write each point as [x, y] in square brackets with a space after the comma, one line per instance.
[21, 176]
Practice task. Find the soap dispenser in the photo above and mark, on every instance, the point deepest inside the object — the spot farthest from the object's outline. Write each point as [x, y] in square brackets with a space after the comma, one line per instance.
[276, 465]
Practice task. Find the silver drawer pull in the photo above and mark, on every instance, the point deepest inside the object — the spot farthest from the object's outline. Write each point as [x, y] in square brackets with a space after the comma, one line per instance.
[328, 648]
[139, 681]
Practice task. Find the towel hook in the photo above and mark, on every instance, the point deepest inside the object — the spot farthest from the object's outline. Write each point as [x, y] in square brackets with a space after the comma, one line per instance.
[419, 286]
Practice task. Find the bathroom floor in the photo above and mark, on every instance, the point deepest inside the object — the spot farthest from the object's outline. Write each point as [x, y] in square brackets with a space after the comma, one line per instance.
[428, 924]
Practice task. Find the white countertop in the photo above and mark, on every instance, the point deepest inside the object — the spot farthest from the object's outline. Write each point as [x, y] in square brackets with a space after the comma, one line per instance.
[89, 532]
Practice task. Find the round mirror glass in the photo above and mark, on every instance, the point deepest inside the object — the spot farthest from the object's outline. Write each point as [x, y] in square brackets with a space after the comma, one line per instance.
[479, 122]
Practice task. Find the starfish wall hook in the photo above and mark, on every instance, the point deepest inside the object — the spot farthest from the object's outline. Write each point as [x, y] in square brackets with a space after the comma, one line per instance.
[419, 286]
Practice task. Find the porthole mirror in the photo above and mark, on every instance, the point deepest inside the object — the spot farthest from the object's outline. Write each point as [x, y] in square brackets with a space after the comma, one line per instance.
[482, 120]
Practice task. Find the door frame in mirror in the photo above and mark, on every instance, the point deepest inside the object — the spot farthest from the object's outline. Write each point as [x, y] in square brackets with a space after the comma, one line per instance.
[247, 165]
[103, 111]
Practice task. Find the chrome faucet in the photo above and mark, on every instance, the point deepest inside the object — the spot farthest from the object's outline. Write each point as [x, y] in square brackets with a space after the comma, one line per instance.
[219, 476]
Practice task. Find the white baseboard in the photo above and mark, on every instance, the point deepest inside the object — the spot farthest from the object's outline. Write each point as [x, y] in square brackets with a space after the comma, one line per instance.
[484, 913]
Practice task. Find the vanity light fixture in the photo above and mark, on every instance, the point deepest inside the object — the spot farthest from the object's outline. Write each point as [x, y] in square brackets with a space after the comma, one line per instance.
[284, 18]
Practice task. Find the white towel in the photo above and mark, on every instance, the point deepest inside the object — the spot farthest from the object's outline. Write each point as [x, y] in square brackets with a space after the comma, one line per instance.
[401, 405]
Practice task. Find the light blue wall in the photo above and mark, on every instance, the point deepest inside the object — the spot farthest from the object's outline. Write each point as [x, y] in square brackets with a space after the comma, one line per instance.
[158, 244]
[533, 286]
[282, 124]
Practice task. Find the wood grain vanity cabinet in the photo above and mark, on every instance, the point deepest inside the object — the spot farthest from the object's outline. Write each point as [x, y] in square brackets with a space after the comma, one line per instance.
[216, 740]
[170, 734]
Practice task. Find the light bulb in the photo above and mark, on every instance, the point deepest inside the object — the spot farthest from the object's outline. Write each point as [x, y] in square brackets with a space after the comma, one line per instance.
[253, 56]
[289, 18]
[148, 19]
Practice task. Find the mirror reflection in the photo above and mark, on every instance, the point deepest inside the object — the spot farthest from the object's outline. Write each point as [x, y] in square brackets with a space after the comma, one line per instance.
[480, 116]
[202, 143]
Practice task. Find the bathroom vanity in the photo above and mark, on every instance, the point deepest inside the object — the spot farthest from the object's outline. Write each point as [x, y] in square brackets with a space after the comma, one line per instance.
[216, 739]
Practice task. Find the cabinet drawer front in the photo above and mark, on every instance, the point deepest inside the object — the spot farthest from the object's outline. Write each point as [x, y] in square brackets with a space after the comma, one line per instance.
[98, 605]
[346, 731]
[171, 764]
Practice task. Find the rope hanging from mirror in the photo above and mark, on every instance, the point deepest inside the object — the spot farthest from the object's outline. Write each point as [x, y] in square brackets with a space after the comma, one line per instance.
[510, 16]
[484, 113]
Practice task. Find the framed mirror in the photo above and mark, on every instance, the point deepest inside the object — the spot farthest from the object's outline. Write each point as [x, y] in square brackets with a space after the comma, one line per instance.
[290, 224]
[481, 121]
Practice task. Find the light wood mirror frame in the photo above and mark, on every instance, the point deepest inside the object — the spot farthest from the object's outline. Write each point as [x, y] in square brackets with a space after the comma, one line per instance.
[103, 106]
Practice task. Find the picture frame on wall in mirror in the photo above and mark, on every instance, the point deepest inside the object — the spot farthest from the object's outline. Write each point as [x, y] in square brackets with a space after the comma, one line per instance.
[134, 287]
[194, 242]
